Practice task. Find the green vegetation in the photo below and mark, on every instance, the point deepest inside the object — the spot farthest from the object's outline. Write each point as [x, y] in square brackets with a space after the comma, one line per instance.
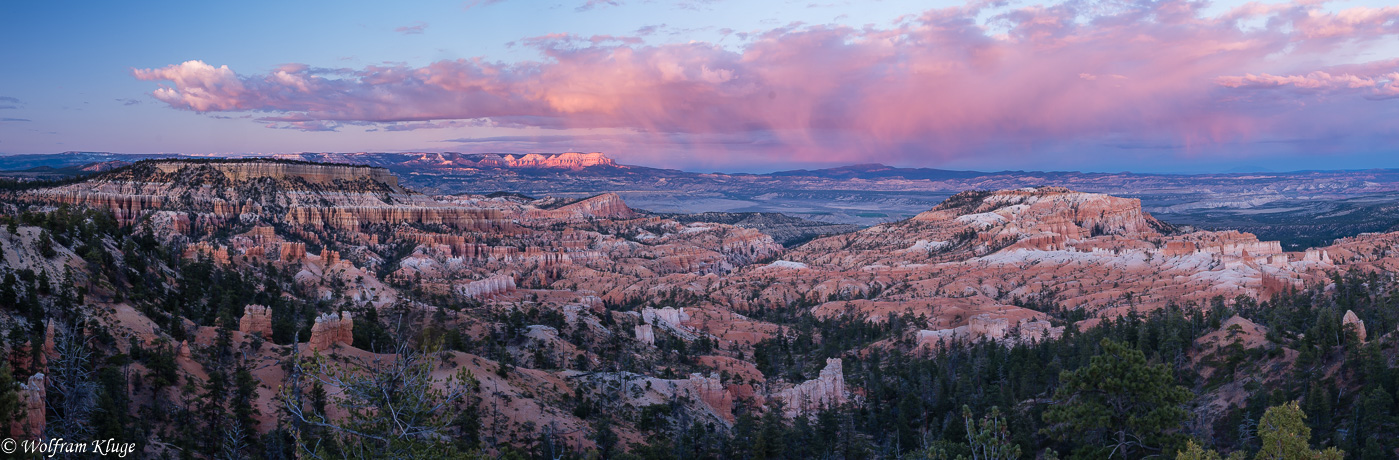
[1117, 406]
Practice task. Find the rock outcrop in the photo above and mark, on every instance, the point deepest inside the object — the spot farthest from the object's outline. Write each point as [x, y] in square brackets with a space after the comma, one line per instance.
[1350, 321]
[331, 329]
[217, 254]
[487, 287]
[33, 416]
[257, 319]
[995, 327]
[645, 334]
[353, 217]
[1053, 210]
[809, 397]
[710, 390]
[672, 317]
[292, 252]
[604, 206]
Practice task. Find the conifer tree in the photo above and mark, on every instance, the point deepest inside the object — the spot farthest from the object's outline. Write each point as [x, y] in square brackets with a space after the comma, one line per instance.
[1119, 406]
[1284, 435]
[991, 439]
[9, 396]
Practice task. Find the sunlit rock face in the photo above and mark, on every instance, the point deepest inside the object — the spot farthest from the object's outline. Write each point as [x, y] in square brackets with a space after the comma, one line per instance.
[567, 160]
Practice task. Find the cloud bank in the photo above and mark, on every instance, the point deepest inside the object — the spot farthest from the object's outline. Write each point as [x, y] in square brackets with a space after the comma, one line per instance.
[939, 84]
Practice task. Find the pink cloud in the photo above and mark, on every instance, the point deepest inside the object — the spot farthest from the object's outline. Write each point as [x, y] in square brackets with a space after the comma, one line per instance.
[416, 29]
[1376, 80]
[941, 84]
[469, 4]
[590, 4]
[200, 87]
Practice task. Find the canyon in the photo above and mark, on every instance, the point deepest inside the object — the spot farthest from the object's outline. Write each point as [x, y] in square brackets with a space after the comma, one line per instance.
[588, 302]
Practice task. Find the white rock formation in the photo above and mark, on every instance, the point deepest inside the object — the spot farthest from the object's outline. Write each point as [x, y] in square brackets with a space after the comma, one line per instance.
[826, 390]
[644, 333]
[487, 287]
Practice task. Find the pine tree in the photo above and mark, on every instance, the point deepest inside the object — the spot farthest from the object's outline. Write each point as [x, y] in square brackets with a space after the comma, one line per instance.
[244, 395]
[401, 385]
[1284, 436]
[9, 294]
[991, 439]
[9, 395]
[1118, 405]
[1193, 451]
[45, 245]
[72, 389]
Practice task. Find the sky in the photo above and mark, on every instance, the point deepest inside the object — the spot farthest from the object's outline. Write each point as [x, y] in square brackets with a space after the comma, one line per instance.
[718, 85]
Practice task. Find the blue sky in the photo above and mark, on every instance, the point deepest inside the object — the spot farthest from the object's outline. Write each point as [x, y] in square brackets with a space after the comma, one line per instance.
[677, 88]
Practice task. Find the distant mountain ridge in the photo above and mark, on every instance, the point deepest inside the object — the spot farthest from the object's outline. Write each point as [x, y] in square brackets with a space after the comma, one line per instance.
[421, 160]
[881, 171]
[580, 160]
[1301, 208]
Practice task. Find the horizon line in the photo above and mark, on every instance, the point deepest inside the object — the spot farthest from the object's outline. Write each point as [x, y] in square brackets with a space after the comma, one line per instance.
[269, 155]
